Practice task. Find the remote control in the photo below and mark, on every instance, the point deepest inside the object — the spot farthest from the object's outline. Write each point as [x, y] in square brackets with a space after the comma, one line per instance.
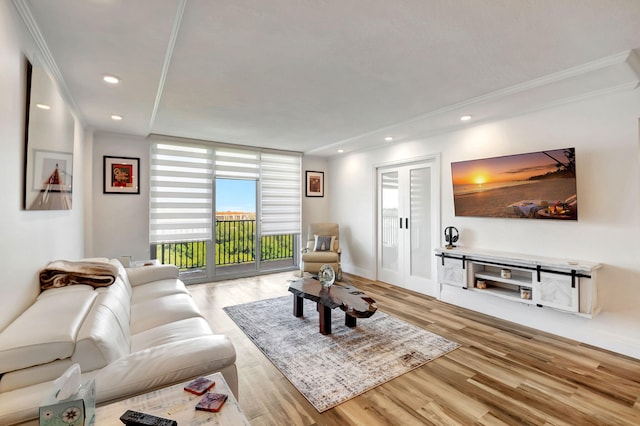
[136, 418]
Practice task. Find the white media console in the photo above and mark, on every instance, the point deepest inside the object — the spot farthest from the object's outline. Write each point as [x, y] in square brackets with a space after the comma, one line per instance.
[563, 284]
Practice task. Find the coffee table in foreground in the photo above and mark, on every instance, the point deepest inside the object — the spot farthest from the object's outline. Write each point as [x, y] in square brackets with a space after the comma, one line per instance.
[355, 303]
[175, 403]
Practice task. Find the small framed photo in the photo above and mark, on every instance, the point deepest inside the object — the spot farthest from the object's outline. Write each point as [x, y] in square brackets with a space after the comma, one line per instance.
[314, 184]
[52, 171]
[121, 175]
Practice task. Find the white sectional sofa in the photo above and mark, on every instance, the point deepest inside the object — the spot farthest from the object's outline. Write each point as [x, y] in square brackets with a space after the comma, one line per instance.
[140, 333]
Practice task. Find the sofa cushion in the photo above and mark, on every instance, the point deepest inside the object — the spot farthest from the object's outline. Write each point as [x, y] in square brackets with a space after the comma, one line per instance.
[175, 307]
[105, 334]
[122, 273]
[320, 257]
[156, 367]
[170, 333]
[54, 292]
[146, 274]
[119, 295]
[33, 375]
[47, 330]
[22, 404]
[157, 289]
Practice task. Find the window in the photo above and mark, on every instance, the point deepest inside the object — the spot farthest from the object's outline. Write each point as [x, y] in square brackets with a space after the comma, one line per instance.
[181, 188]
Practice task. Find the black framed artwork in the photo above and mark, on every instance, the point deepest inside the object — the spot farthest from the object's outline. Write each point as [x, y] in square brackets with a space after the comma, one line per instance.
[314, 186]
[121, 175]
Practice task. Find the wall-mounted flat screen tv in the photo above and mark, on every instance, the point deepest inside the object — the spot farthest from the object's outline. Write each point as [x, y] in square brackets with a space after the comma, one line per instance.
[537, 185]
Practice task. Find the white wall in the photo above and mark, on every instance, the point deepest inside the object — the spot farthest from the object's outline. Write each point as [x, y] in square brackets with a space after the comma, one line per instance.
[120, 221]
[30, 239]
[604, 131]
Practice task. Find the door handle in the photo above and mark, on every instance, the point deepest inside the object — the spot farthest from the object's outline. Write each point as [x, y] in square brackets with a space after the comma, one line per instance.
[400, 223]
[406, 223]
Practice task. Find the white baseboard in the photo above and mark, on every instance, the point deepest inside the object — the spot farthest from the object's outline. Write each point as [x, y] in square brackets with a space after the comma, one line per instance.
[361, 272]
[610, 331]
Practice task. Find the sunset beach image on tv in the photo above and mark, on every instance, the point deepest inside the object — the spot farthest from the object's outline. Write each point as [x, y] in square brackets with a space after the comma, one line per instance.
[537, 185]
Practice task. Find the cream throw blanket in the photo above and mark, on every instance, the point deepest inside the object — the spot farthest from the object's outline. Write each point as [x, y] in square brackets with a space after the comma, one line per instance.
[61, 273]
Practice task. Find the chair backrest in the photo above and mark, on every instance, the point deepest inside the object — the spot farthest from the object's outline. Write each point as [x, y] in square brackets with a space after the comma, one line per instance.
[329, 229]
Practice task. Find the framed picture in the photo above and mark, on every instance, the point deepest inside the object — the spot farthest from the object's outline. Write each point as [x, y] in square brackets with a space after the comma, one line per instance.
[314, 184]
[53, 170]
[121, 175]
[50, 179]
[534, 185]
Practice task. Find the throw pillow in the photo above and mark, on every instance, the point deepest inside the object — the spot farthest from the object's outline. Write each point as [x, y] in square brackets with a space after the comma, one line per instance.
[324, 243]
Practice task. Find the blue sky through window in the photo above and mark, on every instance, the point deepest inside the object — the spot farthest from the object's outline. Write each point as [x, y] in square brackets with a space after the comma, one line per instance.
[235, 195]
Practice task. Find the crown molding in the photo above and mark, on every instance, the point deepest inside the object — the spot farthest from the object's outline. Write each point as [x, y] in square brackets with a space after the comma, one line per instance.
[46, 58]
[175, 29]
[597, 78]
[634, 61]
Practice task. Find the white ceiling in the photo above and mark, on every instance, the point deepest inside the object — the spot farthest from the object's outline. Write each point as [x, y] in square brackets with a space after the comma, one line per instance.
[318, 75]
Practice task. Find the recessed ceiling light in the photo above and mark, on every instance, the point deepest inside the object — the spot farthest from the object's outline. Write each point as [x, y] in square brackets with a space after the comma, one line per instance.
[116, 117]
[43, 106]
[388, 138]
[465, 118]
[341, 151]
[111, 79]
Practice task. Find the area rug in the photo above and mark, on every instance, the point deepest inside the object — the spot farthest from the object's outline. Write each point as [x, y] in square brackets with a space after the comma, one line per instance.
[329, 370]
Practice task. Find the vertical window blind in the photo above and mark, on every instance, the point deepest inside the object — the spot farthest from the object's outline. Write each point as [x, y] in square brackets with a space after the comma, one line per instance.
[181, 188]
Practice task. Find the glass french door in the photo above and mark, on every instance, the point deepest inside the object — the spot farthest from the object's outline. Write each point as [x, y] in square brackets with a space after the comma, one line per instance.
[407, 226]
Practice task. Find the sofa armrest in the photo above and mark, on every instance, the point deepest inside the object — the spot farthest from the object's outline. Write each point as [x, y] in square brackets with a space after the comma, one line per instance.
[146, 274]
[47, 330]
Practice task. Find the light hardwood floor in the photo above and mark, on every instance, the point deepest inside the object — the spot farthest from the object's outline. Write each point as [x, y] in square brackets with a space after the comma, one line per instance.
[504, 374]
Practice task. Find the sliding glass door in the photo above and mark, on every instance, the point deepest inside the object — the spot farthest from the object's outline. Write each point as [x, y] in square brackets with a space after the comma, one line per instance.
[235, 227]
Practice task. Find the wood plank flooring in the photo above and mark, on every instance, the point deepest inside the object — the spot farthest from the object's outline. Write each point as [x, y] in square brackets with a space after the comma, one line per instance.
[504, 373]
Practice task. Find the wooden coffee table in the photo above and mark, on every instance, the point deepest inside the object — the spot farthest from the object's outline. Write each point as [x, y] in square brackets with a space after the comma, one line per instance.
[355, 303]
[175, 403]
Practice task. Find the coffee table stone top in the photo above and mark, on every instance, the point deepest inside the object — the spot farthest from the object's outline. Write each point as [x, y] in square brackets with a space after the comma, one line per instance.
[352, 301]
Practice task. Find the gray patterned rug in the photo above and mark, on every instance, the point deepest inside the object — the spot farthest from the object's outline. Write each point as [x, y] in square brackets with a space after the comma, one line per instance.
[329, 370]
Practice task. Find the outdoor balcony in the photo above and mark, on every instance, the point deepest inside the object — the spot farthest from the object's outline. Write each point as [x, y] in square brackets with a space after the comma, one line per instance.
[236, 245]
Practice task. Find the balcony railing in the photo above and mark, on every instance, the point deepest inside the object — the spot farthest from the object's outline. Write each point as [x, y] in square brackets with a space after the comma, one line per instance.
[235, 245]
